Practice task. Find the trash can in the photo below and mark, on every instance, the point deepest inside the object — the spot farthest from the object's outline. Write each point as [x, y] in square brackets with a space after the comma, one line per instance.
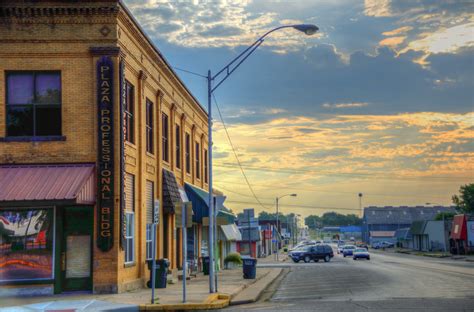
[205, 265]
[161, 271]
[250, 268]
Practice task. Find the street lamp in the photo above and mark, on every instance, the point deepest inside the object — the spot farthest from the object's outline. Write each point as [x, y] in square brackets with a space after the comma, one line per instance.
[213, 82]
[277, 221]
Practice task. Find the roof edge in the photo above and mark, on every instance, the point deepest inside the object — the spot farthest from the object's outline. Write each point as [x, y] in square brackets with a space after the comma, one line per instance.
[155, 48]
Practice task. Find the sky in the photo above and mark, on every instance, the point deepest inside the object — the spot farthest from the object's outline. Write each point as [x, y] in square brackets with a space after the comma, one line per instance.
[379, 102]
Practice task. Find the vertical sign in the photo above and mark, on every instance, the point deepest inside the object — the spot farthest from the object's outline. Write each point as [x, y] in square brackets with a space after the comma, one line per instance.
[105, 166]
[123, 134]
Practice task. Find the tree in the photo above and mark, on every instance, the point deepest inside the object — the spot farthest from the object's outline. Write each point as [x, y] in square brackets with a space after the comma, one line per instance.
[465, 201]
[312, 221]
[445, 216]
[332, 219]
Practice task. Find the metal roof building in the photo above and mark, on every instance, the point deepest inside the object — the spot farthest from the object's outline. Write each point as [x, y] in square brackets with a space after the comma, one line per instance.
[391, 218]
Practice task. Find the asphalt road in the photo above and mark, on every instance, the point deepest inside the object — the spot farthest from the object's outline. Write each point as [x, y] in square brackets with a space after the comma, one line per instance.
[388, 282]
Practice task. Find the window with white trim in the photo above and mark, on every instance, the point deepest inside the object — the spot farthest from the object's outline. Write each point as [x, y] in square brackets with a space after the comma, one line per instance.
[149, 218]
[129, 237]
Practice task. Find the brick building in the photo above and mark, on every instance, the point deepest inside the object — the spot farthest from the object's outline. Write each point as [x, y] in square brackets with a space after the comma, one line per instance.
[97, 133]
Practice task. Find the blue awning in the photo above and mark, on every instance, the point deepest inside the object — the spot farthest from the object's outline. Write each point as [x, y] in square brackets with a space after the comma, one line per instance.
[199, 198]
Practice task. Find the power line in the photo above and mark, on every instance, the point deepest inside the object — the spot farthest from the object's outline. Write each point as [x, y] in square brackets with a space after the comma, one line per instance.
[235, 154]
[189, 72]
[344, 174]
[294, 205]
[326, 191]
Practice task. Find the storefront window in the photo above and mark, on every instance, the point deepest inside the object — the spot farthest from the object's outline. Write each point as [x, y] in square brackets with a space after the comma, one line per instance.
[26, 244]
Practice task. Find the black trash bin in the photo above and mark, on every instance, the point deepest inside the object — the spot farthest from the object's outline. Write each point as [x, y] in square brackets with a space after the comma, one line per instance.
[250, 268]
[161, 270]
[205, 265]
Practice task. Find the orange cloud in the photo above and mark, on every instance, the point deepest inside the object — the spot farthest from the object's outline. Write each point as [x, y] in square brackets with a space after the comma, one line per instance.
[398, 31]
[392, 155]
[392, 41]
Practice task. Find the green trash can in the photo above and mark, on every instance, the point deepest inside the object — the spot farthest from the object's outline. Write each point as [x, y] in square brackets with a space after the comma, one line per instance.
[161, 270]
[205, 265]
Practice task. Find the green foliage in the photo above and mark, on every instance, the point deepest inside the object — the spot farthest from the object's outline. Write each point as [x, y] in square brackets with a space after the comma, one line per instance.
[332, 219]
[465, 201]
[233, 258]
[445, 216]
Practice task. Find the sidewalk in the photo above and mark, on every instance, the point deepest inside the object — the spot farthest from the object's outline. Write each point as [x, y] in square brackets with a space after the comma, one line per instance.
[230, 282]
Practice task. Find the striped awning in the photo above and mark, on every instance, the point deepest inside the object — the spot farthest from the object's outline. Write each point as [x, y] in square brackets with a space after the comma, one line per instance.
[68, 183]
[382, 233]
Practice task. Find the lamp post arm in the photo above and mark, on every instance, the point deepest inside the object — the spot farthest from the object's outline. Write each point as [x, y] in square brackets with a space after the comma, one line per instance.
[229, 69]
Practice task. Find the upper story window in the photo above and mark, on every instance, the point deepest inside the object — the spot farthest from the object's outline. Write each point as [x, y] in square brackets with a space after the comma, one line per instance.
[33, 103]
[165, 137]
[149, 126]
[188, 153]
[129, 112]
[178, 147]
[198, 161]
[206, 168]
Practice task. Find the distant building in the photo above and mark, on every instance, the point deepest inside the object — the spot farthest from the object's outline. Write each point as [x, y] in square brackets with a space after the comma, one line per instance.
[380, 223]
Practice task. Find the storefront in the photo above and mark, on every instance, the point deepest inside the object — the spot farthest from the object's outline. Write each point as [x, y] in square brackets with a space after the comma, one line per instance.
[46, 227]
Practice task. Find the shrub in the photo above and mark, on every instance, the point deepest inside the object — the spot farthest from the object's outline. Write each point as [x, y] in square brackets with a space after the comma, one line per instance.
[233, 258]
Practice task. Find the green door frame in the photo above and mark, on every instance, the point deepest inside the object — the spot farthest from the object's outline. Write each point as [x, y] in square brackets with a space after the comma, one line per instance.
[61, 283]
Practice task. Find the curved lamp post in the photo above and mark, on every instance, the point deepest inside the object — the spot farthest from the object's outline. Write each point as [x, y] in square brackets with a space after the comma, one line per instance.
[278, 221]
[213, 82]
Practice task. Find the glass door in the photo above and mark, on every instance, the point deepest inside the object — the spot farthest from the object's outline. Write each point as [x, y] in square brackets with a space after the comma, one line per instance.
[76, 251]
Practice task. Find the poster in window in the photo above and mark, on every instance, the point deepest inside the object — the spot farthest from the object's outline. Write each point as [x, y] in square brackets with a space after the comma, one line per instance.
[26, 244]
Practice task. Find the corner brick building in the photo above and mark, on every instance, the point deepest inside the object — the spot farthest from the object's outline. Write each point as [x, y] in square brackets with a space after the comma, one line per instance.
[97, 136]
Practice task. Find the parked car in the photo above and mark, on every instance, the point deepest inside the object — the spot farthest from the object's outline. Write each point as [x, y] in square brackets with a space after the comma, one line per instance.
[348, 250]
[315, 253]
[385, 244]
[361, 253]
[388, 244]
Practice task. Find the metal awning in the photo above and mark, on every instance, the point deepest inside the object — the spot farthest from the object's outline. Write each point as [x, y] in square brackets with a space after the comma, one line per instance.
[67, 183]
[171, 194]
[231, 232]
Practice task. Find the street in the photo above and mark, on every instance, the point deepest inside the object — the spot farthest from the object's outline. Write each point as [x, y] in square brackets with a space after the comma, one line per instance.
[388, 282]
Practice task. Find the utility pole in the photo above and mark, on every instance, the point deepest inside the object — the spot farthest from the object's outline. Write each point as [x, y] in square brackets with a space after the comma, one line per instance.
[278, 231]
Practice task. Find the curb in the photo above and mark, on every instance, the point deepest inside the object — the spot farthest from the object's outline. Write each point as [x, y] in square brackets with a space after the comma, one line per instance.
[212, 302]
[259, 292]
[241, 288]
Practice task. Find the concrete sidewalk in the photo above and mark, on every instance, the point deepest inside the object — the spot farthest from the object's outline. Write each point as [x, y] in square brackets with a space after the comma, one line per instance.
[230, 282]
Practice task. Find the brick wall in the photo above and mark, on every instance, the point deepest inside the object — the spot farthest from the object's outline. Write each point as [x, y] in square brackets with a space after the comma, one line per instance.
[62, 41]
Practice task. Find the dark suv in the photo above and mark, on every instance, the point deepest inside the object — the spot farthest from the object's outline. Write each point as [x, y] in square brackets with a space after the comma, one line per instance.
[316, 253]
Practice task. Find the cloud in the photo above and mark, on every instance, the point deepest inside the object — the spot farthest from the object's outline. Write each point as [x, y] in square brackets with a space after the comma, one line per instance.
[343, 154]
[392, 41]
[448, 40]
[428, 26]
[345, 105]
[378, 8]
[398, 31]
[213, 24]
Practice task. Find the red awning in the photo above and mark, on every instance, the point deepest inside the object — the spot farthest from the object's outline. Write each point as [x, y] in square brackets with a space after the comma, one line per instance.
[459, 229]
[71, 182]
